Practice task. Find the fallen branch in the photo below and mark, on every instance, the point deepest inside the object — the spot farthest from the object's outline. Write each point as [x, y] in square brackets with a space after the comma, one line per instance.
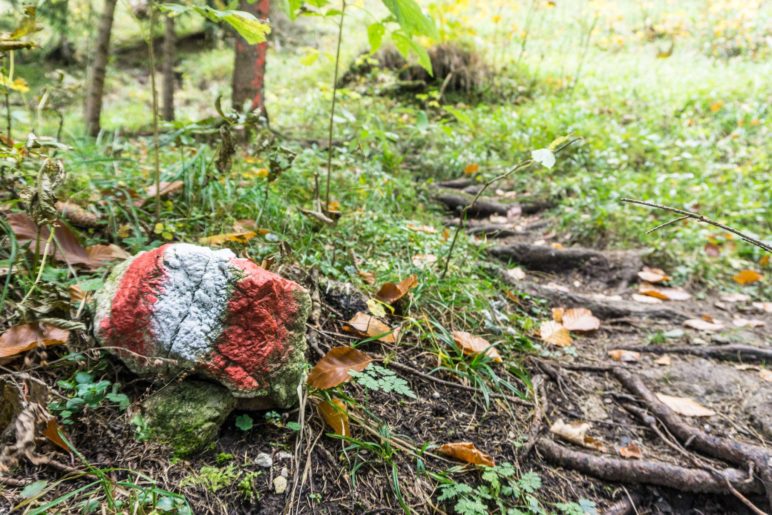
[696, 216]
[646, 471]
[725, 352]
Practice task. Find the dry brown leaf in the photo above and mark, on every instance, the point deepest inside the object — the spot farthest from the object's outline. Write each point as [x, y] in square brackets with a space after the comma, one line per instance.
[334, 412]
[473, 345]
[332, 369]
[23, 337]
[580, 319]
[646, 299]
[101, 254]
[554, 333]
[367, 277]
[625, 356]
[77, 215]
[424, 260]
[663, 293]
[236, 237]
[663, 361]
[557, 314]
[471, 168]
[369, 326]
[703, 325]
[249, 225]
[77, 294]
[685, 406]
[165, 188]
[653, 275]
[748, 322]
[766, 375]
[391, 292]
[631, 451]
[51, 432]
[428, 229]
[764, 261]
[467, 452]
[576, 432]
[747, 277]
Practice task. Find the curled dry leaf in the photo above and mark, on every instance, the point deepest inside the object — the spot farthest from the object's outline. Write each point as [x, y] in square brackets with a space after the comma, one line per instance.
[747, 277]
[703, 325]
[576, 432]
[580, 319]
[51, 432]
[367, 277]
[466, 451]
[685, 406]
[663, 293]
[235, 237]
[332, 369]
[473, 345]
[625, 356]
[631, 451]
[663, 361]
[334, 412]
[554, 333]
[392, 292]
[23, 337]
[646, 299]
[653, 275]
[366, 325]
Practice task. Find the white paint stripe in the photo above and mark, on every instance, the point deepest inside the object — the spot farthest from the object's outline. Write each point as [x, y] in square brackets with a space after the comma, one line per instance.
[187, 318]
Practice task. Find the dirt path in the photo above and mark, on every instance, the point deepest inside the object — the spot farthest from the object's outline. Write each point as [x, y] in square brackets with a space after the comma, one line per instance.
[720, 366]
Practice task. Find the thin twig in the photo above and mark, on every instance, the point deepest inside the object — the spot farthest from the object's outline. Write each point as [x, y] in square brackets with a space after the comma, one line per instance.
[332, 108]
[700, 218]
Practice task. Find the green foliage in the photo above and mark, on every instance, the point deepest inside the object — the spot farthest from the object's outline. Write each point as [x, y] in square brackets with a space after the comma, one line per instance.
[582, 507]
[86, 392]
[250, 28]
[381, 379]
[244, 422]
[213, 479]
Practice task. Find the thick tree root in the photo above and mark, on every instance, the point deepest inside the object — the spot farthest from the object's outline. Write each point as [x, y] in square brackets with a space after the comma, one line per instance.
[730, 451]
[504, 231]
[456, 184]
[609, 267]
[647, 472]
[457, 201]
[724, 352]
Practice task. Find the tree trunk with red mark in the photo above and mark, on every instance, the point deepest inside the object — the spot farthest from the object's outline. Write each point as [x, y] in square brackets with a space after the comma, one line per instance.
[249, 66]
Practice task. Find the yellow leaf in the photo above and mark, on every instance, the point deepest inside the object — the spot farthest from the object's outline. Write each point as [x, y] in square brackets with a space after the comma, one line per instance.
[747, 277]
[467, 452]
[554, 333]
[653, 275]
[663, 293]
[716, 106]
[335, 414]
[580, 319]
[219, 239]
[471, 168]
[369, 326]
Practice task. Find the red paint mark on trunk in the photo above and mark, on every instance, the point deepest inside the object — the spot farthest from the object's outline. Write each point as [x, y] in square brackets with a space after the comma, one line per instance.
[128, 325]
[253, 342]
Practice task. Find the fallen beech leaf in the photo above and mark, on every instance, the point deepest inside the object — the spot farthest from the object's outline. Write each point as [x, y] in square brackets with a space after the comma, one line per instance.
[580, 319]
[554, 333]
[734, 297]
[685, 406]
[23, 337]
[703, 325]
[557, 314]
[653, 275]
[646, 299]
[765, 307]
[471, 168]
[52, 433]
[367, 277]
[101, 254]
[428, 229]
[766, 375]
[663, 361]
[466, 451]
[631, 451]
[473, 345]
[334, 412]
[663, 293]
[332, 369]
[166, 189]
[747, 277]
[576, 432]
[236, 237]
[366, 325]
[625, 356]
[748, 322]
[77, 294]
[391, 292]
[424, 260]
[65, 246]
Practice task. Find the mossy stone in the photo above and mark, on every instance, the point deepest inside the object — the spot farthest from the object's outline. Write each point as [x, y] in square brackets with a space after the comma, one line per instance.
[187, 415]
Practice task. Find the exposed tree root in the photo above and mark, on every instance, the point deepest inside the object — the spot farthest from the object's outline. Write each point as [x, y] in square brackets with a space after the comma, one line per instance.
[647, 472]
[504, 231]
[456, 202]
[456, 184]
[737, 453]
[725, 352]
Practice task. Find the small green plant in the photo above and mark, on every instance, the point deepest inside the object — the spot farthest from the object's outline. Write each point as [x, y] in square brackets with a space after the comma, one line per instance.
[86, 393]
[244, 422]
[381, 379]
[247, 485]
[213, 478]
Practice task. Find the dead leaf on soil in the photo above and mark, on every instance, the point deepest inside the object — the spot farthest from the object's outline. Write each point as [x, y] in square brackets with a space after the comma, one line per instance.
[554, 333]
[685, 406]
[165, 188]
[77, 294]
[734, 297]
[701, 324]
[424, 260]
[334, 412]
[427, 229]
[101, 254]
[473, 345]
[663, 361]
[369, 326]
[466, 451]
[646, 299]
[653, 275]
[51, 432]
[367, 277]
[631, 451]
[392, 292]
[625, 356]
[471, 169]
[332, 369]
[663, 293]
[576, 432]
[557, 314]
[580, 319]
[23, 337]
[235, 237]
[748, 322]
[747, 277]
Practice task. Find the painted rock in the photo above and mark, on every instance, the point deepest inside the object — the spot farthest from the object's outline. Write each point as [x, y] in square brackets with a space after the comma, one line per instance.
[182, 307]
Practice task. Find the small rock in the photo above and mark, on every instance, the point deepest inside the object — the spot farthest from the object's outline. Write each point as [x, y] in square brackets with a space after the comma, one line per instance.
[435, 395]
[284, 472]
[283, 455]
[280, 484]
[264, 460]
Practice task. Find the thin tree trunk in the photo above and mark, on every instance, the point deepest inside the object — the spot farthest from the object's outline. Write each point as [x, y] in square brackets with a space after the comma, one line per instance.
[96, 83]
[170, 41]
[249, 66]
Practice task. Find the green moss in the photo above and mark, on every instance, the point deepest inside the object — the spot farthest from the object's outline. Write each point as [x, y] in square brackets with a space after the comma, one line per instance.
[213, 478]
